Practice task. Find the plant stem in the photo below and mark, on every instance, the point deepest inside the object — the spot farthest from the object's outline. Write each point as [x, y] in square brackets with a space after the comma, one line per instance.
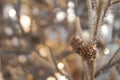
[115, 54]
[55, 63]
[106, 68]
[91, 69]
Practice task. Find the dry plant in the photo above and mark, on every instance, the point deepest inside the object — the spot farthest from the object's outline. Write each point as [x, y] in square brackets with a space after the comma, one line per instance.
[97, 10]
[33, 43]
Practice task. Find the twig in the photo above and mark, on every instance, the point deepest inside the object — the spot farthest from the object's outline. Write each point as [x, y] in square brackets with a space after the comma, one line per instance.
[95, 8]
[115, 1]
[106, 68]
[1, 75]
[18, 7]
[116, 53]
[88, 51]
[85, 70]
[64, 54]
[0, 63]
[102, 10]
[91, 70]
[41, 59]
[95, 5]
[55, 63]
[90, 13]
[78, 26]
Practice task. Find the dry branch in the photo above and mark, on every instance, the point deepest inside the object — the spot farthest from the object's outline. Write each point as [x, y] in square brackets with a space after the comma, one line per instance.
[55, 64]
[102, 10]
[115, 54]
[90, 14]
[88, 51]
[106, 68]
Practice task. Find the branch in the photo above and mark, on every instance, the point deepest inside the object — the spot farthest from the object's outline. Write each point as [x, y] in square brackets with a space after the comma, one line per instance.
[18, 7]
[91, 69]
[102, 10]
[55, 63]
[78, 26]
[106, 68]
[90, 13]
[64, 54]
[115, 1]
[115, 54]
[1, 75]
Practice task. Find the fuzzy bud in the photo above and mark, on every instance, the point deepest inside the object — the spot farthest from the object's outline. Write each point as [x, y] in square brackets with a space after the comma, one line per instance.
[87, 50]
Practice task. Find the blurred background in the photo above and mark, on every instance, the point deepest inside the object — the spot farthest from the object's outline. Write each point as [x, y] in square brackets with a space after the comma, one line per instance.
[34, 40]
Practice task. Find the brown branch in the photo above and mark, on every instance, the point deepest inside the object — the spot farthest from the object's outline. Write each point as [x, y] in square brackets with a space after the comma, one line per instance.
[18, 7]
[95, 7]
[91, 70]
[64, 54]
[78, 26]
[90, 13]
[115, 1]
[55, 63]
[88, 51]
[115, 54]
[1, 75]
[102, 10]
[106, 68]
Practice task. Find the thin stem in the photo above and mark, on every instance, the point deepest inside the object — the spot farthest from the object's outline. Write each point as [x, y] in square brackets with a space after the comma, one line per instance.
[85, 71]
[90, 13]
[18, 7]
[103, 7]
[64, 54]
[91, 70]
[78, 26]
[115, 1]
[55, 63]
[90, 16]
[106, 68]
[0, 63]
[1, 75]
[116, 53]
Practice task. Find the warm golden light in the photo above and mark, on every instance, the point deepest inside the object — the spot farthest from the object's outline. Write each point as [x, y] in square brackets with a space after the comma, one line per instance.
[25, 21]
[60, 65]
[51, 78]
[106, 51]
[60, 77]
[43, 52]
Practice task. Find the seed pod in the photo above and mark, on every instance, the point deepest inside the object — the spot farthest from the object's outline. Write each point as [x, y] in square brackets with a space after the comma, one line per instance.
[87, 50]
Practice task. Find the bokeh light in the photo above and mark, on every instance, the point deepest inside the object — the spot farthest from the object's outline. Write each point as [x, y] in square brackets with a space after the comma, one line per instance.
[25, 22]
[60, 16]
[106, 51]
[51, 78]
[12, 12]
[60, 77]
[71, 4]
[60, 65]
[43, 52]
[22, 59]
